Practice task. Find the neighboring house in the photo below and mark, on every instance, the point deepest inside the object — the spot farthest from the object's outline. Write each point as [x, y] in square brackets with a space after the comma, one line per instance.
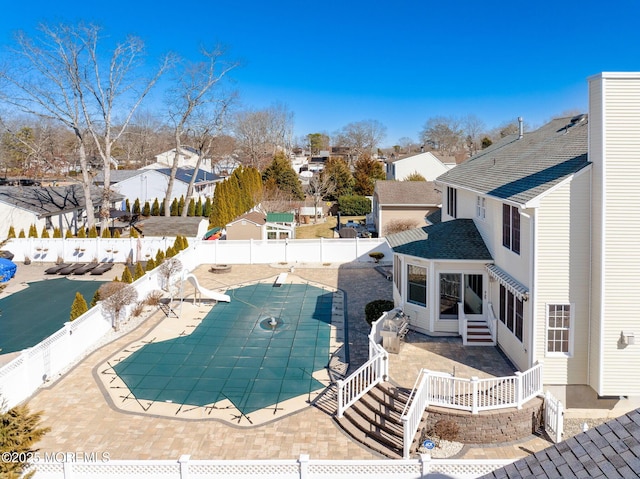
[540, 231]
[426, 164]
[49, 207]
[187, 158]
[258, 226]
[149, 184]
[225, 166]
[608, 451]
[403, 202]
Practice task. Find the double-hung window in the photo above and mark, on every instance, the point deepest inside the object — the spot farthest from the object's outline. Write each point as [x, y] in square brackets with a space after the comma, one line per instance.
[511, 228]
[452, 202]
[417, 284]
[559, 328]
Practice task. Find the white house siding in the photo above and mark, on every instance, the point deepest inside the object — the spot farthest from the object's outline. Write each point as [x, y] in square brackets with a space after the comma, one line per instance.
[563, 272]
[620, 257]
[596, 143]
[19, 219]
[517, 265]
[149, 185]
[426, 164]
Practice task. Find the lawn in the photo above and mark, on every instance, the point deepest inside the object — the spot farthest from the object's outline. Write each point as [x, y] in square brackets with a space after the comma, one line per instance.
[323, 229]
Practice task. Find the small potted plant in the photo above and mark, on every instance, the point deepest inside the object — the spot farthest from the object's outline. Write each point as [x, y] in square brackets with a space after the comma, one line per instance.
[376, 255]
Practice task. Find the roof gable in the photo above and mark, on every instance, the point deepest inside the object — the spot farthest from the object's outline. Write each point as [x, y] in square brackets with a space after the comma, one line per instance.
[521, 169]
[253, 217]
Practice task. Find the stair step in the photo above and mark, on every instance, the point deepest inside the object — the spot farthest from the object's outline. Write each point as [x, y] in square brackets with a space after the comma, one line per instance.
[379, 419]
[387, 441]
[376, 407]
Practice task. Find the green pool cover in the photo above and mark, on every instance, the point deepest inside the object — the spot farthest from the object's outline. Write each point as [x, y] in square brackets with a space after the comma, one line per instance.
[29, 316]
[233, 354]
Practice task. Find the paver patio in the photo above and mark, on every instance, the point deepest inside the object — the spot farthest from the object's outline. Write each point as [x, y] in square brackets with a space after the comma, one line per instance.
[82, 420]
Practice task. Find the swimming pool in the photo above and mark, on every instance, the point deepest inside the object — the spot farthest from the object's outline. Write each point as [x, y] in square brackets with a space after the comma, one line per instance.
[266, 347]
[35, 313]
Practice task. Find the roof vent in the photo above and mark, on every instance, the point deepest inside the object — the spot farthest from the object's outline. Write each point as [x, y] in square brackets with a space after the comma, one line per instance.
[520, 128]
[578, 118]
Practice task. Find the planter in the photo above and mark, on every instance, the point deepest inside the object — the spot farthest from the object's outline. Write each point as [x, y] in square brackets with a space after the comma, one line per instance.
[220, 268]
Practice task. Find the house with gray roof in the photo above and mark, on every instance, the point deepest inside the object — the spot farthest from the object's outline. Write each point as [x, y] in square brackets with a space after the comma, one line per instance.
[537, 249]
[149, 184]
[397, 204]
[48, 207]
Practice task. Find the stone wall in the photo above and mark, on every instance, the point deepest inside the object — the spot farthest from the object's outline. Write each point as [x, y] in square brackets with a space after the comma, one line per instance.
[490, 427]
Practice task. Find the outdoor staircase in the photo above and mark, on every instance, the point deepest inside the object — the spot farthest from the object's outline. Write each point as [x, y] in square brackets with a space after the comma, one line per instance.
[478, 334]
[374, 420]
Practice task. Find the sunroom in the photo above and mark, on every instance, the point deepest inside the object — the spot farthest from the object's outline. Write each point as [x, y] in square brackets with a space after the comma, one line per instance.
[440, 276]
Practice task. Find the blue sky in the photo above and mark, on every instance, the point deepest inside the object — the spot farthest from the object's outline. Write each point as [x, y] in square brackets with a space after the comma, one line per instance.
[400, 62]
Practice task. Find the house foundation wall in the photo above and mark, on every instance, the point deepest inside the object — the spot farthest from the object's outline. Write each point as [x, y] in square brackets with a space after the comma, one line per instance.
[490, 427]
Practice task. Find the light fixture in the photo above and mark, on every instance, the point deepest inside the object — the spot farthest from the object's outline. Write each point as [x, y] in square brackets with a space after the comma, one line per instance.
[628, 338]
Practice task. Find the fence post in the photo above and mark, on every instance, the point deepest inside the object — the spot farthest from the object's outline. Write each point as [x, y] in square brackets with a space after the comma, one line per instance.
[67, 470]
[519, 390]
[303, 460]
[385, 366]
[559, 425]
[339, 389]
[425, 464]
[474, 395]
[184, 466]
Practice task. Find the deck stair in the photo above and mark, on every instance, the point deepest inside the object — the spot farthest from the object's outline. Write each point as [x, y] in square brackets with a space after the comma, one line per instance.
[478, 334]
[374, 420]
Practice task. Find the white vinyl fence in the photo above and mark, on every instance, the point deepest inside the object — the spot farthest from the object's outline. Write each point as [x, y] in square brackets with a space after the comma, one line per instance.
[553, 417]
[20, 378]
[121, 250]
[35, 366]
[302, 468]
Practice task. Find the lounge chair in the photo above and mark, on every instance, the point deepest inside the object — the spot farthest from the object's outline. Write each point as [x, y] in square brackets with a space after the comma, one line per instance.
[103, 268]
[86, 268]
[55, 269]
[71, 269]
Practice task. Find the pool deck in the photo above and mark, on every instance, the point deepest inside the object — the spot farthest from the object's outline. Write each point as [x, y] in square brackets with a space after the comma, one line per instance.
[83, 420]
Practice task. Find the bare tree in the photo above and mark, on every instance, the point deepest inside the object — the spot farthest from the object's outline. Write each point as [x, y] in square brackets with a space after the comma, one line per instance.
[473, 128]
[145, 136]
[360, 137]
[260, 134]
[443, 134]
[396, 226]
[319, 187]
[115, 297]
[193, 90]
[63, 75]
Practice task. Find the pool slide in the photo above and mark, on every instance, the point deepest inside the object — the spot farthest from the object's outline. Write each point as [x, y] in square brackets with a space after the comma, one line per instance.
[204, 292]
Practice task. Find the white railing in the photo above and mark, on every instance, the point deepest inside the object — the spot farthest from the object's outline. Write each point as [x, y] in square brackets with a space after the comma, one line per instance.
[553, 417]
[476, 395]
[462, 323]
[492, 323]
[374, 371]
[413, 411]
[352, 388]
[301, 468]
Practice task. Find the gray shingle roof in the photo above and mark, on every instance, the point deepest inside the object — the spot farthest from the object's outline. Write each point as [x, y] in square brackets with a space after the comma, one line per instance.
[522, 169]
[611, 450]
[407, 193]
[50, 200]
[455, 239]
[115, 176]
